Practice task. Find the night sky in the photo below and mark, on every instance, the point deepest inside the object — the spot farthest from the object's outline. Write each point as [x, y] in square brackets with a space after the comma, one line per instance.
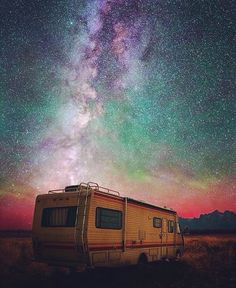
[138, 96]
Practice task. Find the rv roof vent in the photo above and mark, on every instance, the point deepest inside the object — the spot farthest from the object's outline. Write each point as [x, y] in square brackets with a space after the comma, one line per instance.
[72, 188]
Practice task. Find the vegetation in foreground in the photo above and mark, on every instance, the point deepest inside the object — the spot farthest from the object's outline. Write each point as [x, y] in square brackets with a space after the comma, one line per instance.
[209, 261]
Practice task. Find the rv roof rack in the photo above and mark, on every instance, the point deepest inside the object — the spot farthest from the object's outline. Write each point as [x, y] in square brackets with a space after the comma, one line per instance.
[91, 185]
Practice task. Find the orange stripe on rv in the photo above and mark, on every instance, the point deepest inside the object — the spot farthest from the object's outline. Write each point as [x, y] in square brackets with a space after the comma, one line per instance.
[59, 245]
[107, 246]
[114, 199]
[113, 247]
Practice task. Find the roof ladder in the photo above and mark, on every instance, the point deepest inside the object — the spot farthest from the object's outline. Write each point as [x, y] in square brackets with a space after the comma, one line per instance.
[82, 203]
[88, 188]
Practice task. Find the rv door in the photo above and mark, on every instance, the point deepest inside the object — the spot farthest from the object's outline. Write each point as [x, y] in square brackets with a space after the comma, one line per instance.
[164, 238]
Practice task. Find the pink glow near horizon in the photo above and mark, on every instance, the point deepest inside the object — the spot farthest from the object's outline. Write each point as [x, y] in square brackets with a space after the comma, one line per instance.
[17, 212]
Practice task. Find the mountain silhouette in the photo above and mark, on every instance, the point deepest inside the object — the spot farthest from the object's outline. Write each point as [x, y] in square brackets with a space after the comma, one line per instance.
[218, 221]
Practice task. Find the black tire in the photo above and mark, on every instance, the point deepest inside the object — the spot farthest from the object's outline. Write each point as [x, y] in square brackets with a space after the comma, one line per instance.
[178, 255]
[142, 261]
[72, 271]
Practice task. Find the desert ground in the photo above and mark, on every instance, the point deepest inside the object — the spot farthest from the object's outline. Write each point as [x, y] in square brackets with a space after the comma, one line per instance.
[208, 261]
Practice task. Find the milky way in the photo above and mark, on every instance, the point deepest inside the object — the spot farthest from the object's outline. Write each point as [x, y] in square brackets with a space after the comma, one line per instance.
[135, 95]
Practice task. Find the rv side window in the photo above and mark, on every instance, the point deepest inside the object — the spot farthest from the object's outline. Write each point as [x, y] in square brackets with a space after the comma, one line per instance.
[157, 222]
[171, 226]
[108, 218]
[59, 217]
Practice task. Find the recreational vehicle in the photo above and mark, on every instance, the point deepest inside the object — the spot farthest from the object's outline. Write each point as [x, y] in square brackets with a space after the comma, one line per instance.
[87, 225]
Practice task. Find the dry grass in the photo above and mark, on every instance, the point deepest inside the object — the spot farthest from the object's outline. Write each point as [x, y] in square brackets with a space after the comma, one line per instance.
[208, 261]
[213, 255]
[16, 257]
[211, 251]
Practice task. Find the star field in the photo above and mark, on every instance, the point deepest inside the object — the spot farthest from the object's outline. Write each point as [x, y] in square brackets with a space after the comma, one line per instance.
[135, 95]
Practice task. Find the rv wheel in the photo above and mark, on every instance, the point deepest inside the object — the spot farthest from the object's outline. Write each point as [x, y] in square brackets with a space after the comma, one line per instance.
[142, 261]
[71, 271]
[178, 255]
